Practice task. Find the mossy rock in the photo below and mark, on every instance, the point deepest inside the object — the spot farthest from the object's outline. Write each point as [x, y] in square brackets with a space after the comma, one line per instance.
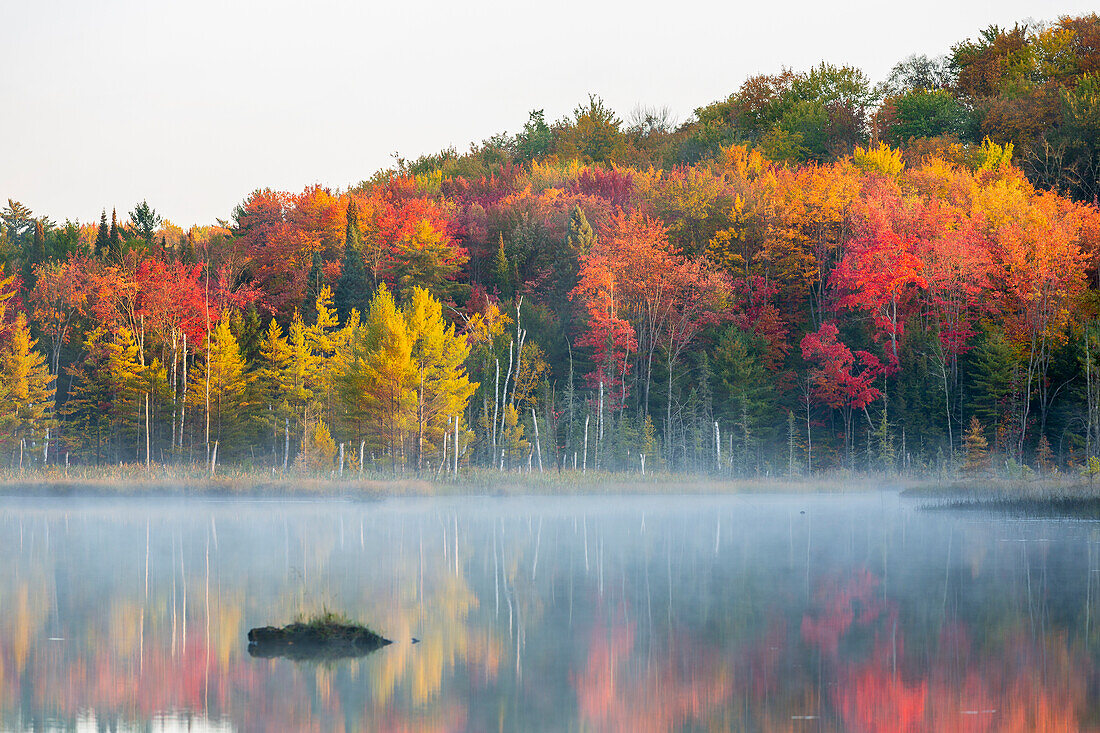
[315, 640]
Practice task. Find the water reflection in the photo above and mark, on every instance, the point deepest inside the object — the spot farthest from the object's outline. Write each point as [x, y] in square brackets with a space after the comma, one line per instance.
[787, 613]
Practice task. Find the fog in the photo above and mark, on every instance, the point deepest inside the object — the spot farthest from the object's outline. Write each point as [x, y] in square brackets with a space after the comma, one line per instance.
[609, 613]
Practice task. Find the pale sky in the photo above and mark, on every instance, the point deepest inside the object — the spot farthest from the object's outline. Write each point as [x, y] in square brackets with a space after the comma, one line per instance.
[192, 104]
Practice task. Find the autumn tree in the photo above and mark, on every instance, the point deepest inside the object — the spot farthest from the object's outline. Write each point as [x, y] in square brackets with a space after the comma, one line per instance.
[438, 355]
[26, 388]
[223, 373]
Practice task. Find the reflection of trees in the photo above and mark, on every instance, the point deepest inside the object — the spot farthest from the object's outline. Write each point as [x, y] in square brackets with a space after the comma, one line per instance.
[619, 691]
[653, 630]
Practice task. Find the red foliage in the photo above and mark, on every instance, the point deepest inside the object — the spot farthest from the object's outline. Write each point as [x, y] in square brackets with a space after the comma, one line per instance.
[832, 378]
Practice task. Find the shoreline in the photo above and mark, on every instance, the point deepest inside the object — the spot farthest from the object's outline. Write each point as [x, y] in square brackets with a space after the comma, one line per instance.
[129, 481]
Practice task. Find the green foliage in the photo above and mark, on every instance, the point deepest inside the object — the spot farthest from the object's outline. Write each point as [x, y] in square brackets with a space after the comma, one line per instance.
[925, 113]
[353, 289]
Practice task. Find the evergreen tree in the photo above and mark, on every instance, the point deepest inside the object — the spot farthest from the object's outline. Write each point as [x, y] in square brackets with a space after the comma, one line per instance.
[188, 255]
[26, 407]
[88, 407]
[314, 281]
[114, 241]
[249, 334]
[352, 290]
[994, 383]
[102, 237]
[143, 224]
[35, 255]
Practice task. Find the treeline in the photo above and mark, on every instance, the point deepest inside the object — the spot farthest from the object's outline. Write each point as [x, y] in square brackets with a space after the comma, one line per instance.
[814, 273]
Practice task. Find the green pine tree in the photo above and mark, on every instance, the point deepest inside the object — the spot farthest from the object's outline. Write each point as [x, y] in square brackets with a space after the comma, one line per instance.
[102, 237]
[87, 409]
[352, 290]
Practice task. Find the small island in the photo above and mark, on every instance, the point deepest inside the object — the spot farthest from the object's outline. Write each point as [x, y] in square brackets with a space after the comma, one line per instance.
[328, 636]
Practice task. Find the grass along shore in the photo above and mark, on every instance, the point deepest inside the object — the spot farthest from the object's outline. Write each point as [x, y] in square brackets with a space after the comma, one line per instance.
[137, 480]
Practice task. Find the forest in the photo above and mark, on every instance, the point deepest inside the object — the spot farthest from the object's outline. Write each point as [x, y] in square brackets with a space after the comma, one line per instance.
[818, 272]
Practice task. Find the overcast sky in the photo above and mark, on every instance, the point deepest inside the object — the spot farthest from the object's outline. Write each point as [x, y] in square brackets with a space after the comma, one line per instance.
[192, 104]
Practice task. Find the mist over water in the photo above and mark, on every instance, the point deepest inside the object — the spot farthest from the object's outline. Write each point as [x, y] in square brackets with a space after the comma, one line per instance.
[857, 612]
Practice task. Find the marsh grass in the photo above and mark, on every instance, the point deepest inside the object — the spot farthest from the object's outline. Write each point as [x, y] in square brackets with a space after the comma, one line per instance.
[185, 480]
[136, 480]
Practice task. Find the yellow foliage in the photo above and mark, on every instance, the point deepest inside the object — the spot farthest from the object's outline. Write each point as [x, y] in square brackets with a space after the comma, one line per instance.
[883, 160]
[989, 156]
[320, 448]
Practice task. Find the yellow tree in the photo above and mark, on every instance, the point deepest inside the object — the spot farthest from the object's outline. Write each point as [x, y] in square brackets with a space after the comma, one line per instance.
[26, 394]
[229, 384]
[390, 374]
[442, 386]
[125, 382]
[305, 369]
[272, 383]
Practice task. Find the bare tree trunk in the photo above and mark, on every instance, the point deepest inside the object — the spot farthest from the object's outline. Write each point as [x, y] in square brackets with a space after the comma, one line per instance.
[286, 442]
[584, 465]
[538, 447]
[147, 442]
[496, 401]
[504, 394]
[183, 393]
[599, 431]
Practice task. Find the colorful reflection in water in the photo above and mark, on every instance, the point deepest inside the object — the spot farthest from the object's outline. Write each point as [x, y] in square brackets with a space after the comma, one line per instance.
[860, 613]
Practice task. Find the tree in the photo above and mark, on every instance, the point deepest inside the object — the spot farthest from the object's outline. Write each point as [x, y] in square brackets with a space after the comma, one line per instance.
[114, 240]
[833, 380]
[124, 378]
[515, 447]
[87, 411]
[102, 237]
[438, 355]
[595, 134]
[352, 290]
[536, 139]
[974, 443]
[502, 271]
[879, 273]
[228, 384]
[429, 258]
[58, 297]
[273, 382]
[26, 387]
[923, 113]
[377, 378]
[18, 219]
[143, 224]
[319, 449]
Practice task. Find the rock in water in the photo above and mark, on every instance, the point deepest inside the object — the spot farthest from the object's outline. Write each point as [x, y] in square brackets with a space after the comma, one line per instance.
[318, 640]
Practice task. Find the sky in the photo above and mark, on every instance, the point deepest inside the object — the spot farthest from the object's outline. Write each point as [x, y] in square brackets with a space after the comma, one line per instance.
[193, 104]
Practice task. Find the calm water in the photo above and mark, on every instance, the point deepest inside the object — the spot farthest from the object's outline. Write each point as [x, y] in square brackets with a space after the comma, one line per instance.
[679, 613]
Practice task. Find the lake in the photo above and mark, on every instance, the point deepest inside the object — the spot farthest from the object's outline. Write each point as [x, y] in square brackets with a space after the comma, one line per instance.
[848, 612]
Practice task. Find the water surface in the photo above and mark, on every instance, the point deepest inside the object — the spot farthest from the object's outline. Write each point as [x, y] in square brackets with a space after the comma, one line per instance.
[618, 613]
